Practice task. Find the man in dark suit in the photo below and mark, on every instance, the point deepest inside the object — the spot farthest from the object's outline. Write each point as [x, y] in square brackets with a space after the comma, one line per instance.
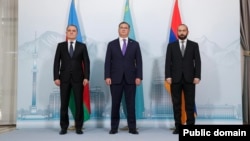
[71, 71]
[183, 72]
[123, 71]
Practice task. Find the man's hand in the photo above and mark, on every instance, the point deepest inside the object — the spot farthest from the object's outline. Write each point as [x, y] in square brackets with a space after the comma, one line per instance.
[137, 81]
[57, 82]
[85, 82]
[108, 81]
[196, 81]
[169, 80]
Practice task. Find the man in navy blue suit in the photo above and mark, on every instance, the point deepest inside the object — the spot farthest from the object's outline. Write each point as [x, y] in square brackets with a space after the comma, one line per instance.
[183, 72]
[123, 71]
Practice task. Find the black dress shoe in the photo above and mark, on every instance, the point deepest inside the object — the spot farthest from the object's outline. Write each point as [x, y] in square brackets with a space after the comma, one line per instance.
[176, 131]
[79, 131]
[113, 132]
[62, 132]
[133, 132]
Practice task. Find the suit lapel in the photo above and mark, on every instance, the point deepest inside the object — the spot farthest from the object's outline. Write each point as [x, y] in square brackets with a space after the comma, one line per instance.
[76, 48]
[129, 44]
[178, 49]
[187, 48]
[118, 46]
[65, 46]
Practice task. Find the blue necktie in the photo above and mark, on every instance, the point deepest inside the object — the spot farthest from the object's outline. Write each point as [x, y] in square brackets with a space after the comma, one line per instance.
[124, 47]
[71, 51]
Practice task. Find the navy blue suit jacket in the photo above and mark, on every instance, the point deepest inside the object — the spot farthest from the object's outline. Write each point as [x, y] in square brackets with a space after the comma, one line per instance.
[129, 65]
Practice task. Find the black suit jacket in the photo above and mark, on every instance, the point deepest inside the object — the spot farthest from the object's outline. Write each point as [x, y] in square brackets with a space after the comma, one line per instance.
[77, 67]
[129, 65]
[189, 66]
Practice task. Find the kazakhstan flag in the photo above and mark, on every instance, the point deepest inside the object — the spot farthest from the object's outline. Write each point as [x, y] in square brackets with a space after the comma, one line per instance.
[139, 100]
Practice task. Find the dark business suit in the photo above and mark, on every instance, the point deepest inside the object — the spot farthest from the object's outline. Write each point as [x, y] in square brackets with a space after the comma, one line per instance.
[71, 72]
[183, 70]
[123, 70]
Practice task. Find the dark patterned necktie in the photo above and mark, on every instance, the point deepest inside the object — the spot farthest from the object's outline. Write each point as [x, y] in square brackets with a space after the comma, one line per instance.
[71, 50]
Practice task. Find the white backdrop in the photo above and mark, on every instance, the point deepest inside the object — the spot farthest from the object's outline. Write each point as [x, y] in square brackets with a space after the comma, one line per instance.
[213, 24]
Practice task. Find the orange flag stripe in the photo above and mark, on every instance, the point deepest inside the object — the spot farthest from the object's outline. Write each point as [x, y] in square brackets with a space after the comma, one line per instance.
[183, 111]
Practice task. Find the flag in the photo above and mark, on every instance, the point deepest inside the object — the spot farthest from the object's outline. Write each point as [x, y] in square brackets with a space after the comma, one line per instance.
[86, 95]
[139, 99]
[176, 21]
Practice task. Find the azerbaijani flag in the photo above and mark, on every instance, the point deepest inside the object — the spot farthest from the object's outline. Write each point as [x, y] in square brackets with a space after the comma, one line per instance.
[139, 98]
[176, 21]
[86, 95]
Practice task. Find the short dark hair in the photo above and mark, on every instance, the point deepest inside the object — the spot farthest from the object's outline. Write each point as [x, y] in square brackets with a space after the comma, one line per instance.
[123, 22]
[72, 25]
[183, 25]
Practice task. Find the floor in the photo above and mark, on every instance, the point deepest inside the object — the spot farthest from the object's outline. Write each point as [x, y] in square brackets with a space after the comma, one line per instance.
[148, 131]
[90, 134]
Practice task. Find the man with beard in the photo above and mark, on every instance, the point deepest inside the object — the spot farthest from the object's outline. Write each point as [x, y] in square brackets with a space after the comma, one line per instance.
[183, 72]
